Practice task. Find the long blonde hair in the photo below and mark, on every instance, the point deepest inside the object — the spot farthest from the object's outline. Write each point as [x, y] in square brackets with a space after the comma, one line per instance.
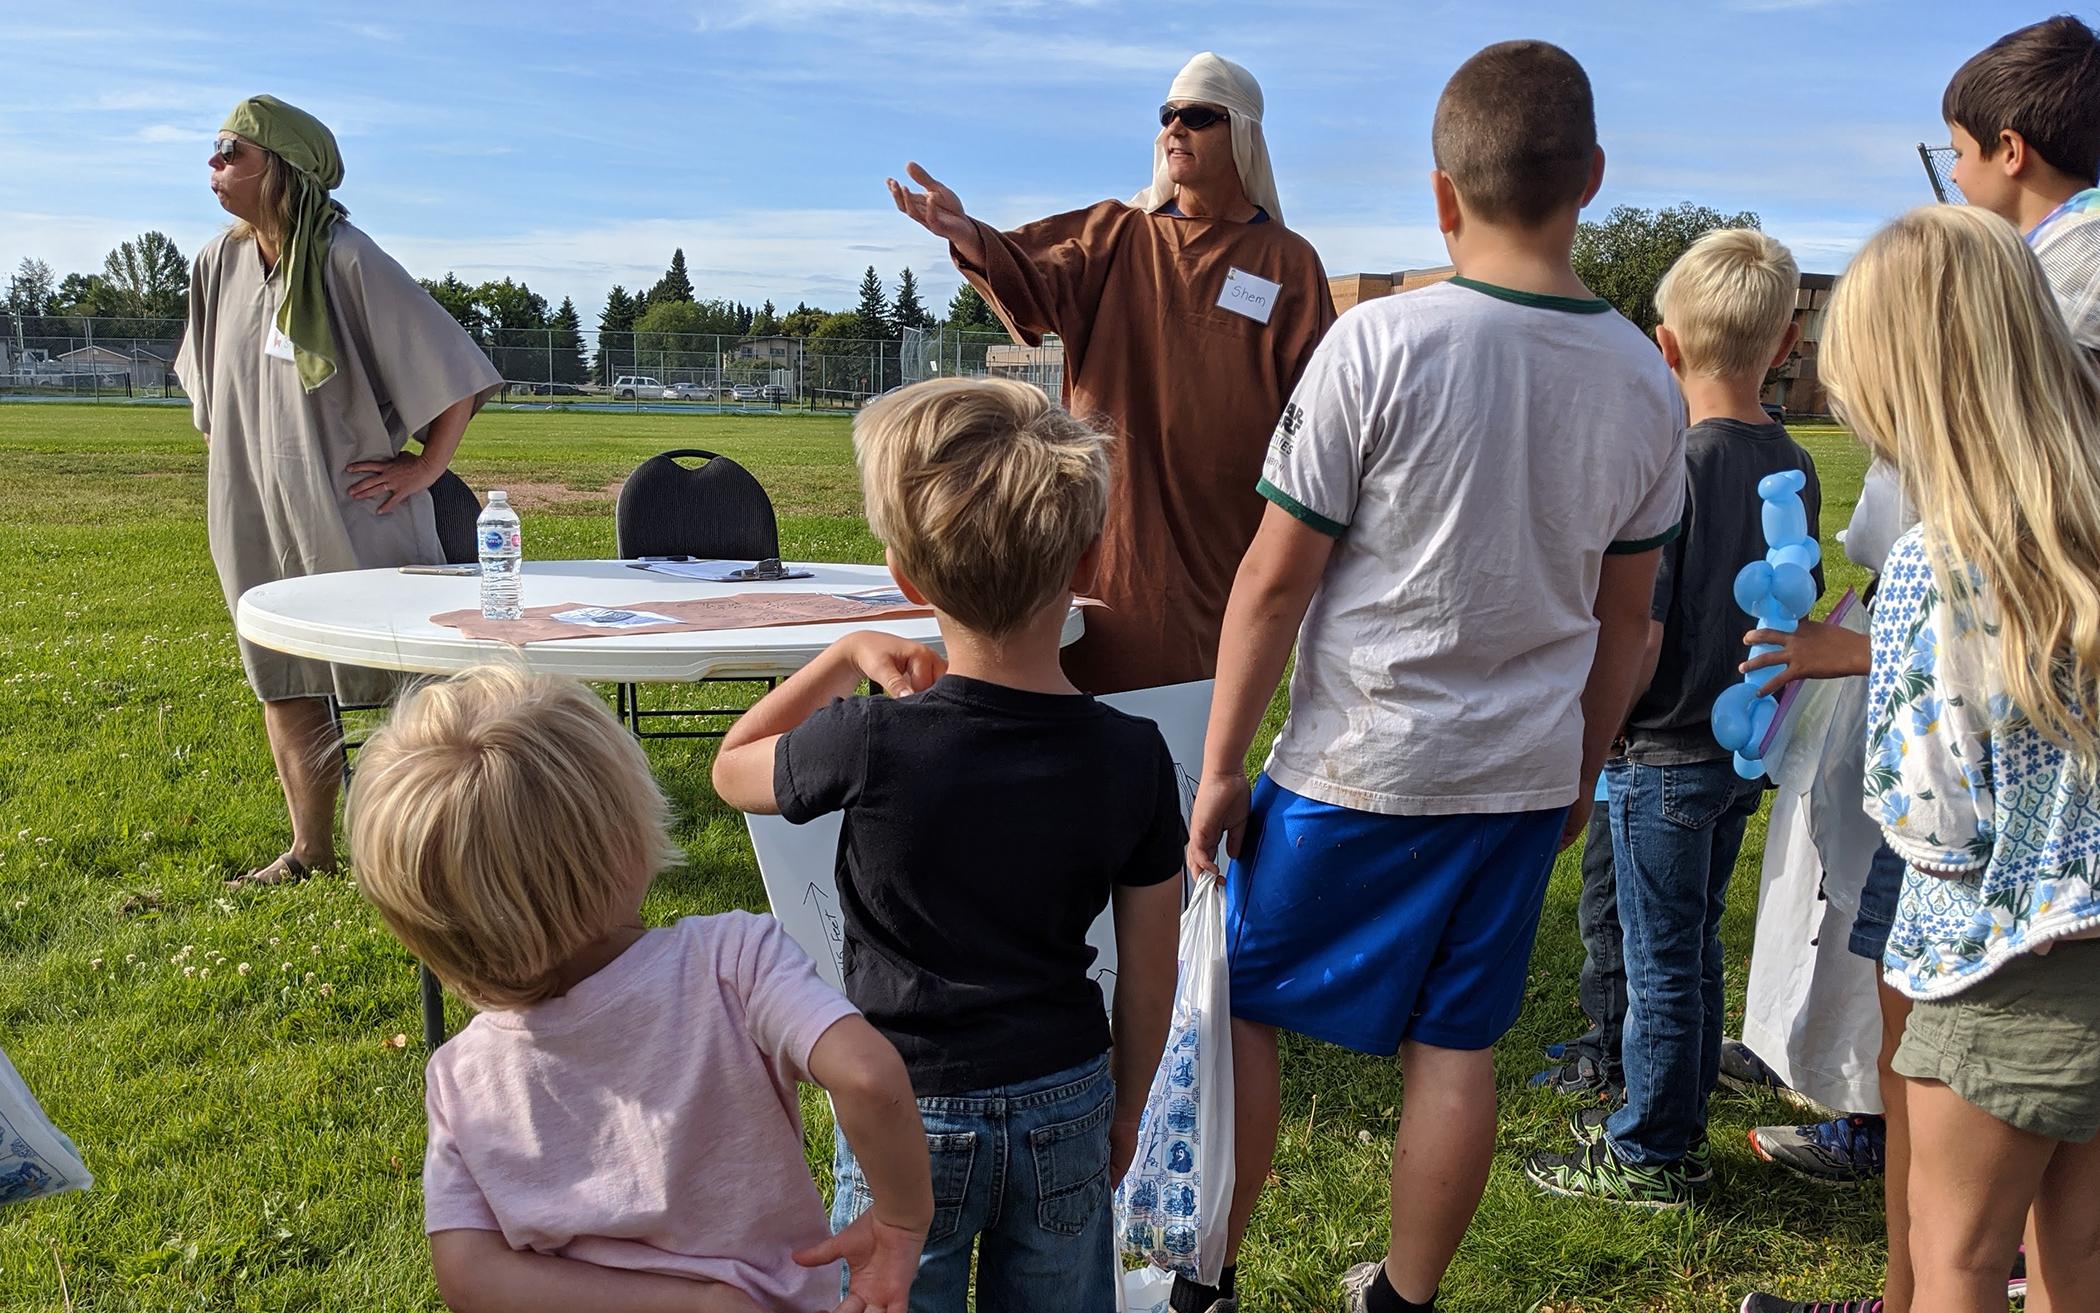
[278, 183]
[1946, 354]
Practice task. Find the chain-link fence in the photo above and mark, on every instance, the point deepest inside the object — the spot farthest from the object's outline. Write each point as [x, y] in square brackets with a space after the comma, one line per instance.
[69, 356]
[1939, 171]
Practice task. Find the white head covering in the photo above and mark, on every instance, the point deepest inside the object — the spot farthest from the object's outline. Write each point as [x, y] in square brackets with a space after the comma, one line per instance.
[1215, 81]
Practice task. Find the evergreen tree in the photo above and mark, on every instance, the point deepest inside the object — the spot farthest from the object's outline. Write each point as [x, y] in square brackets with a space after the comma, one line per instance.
[906, 311]
[743, 320]
[967, 310]
[615, 335]
[766, 323]
[873, 313]
[568, 364]
[674, 285]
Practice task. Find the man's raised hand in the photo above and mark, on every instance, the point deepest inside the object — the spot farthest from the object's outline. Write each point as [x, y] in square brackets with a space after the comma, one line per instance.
[938, 211]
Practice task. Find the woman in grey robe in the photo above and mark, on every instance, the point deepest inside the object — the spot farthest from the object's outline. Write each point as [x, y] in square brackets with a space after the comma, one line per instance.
[312, 359]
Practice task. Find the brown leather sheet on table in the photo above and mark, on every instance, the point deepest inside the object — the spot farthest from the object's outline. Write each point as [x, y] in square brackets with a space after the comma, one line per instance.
[689, 616]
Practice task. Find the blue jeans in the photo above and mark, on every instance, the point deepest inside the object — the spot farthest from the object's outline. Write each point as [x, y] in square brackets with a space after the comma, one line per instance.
[1877, 906]
[1020, 1173]
[1676, 831]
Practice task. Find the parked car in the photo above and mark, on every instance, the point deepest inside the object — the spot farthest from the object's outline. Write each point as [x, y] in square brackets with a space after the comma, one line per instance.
[688, 392]
[627, 387]
[746, 391]
[553, 390]
[773, 392]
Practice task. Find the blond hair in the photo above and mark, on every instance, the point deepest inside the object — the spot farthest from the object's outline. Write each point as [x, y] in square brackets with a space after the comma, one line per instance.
[279, 183]
[502, 821]
[1946, 354]
[1728, 301]
[985, 493]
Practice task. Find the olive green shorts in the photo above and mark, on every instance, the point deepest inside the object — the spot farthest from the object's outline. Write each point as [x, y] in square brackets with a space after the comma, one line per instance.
[2023, 1043]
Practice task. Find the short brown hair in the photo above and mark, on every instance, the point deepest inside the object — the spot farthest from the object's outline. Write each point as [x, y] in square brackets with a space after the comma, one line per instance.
[2042, 82]
[986, 493]
[1516, 130]
[500, 822]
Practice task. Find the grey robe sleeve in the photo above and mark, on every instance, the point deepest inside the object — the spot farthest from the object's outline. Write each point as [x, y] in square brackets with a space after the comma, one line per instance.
[193, 360]
[420, 360]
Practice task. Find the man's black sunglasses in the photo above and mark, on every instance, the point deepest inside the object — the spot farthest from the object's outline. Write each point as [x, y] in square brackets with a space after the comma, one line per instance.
[1193, 117]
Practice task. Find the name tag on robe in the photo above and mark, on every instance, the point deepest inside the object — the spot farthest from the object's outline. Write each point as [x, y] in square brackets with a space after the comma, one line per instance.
[1250, 295]
[276, 345]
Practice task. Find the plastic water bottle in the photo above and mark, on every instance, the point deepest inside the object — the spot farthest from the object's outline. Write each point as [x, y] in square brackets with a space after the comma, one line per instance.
[502, 551]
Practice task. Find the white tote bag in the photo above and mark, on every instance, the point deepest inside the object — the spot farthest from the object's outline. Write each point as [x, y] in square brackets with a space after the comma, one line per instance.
[36, 1158]
[1171, 1206]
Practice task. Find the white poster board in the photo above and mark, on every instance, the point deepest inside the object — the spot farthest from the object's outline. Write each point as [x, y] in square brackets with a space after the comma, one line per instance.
[798, 862]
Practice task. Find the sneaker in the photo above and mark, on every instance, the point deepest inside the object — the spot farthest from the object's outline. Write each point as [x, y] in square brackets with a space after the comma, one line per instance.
[1593, 1171]
[1579, 1076]
[1356, 1282]
[1763, 1303]
[1840, 1151]
[2016, 1284]
[1587, 1126]
[1742, 1070]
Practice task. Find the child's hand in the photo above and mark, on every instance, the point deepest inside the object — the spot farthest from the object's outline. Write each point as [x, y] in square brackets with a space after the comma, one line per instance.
[1219, 812]
[895, 665]
[881, 1261]
[1814, 651]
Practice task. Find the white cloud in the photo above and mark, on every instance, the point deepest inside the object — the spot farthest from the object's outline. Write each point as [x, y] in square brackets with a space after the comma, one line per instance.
[164, 133]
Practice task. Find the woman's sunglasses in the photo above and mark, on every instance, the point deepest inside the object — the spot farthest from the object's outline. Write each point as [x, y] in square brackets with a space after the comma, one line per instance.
[227, 149]
[1193, 117]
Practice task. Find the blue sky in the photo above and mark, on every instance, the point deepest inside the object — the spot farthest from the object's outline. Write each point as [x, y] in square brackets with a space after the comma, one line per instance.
[574, 147]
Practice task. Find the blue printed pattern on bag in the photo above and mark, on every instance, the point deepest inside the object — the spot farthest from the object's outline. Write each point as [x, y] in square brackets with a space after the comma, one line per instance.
[1159, 1199]
[24, 1173]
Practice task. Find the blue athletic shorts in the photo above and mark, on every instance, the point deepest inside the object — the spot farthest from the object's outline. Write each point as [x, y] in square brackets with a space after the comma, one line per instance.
[1365, 930]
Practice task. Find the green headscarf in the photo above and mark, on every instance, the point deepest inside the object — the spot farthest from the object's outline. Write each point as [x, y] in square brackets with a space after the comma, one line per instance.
[305, 143]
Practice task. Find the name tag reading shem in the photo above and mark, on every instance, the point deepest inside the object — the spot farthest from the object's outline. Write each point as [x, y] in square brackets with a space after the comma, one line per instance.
[1250, 295]
[276, 345]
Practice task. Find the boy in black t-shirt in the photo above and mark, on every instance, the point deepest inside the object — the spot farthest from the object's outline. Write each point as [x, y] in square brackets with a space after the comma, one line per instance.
[1678, 806]
[991, 812]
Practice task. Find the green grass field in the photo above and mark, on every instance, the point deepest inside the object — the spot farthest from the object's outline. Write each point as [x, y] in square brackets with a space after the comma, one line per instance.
[228, 1061]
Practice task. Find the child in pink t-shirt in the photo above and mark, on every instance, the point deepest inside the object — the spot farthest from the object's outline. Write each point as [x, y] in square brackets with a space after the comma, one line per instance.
[619, 1128]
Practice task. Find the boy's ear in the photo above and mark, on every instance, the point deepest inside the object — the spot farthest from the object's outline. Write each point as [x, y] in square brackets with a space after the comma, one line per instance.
[904, 585]
[1083, 569]
[1787, 342]
[1446, 195]
[1596, 179]
[1673, 353]
[2018, 155]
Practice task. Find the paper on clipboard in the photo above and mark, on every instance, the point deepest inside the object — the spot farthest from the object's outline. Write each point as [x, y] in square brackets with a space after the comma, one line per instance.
[1799, 730]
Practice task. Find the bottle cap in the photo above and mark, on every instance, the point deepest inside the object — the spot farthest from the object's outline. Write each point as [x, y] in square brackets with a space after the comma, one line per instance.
[497, 494]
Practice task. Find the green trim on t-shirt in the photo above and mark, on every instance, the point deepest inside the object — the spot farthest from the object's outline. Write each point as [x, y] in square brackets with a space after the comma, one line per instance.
[1636, 547]
[1574, 305]
[1299, 510]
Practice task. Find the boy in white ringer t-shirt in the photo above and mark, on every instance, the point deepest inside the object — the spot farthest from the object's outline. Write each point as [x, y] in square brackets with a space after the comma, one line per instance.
[1467, 494]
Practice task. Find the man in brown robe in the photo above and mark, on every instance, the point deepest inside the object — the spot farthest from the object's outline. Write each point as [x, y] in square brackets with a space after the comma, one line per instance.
[1187, 316]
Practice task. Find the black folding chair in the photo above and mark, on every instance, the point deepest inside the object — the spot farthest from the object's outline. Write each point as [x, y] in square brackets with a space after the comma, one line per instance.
[716, 510]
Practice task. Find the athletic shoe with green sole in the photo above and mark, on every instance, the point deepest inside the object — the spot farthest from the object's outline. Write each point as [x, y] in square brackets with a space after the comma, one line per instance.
[1587, 1126]
[1593, 1171]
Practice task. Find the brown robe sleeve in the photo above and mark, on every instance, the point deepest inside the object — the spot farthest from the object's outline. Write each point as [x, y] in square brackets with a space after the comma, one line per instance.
[193, 362]
[419, 358]
[1047, 276]
[1301, 335]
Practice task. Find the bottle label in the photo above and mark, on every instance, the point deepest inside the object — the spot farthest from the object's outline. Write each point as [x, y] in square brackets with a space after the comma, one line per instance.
[496, 538]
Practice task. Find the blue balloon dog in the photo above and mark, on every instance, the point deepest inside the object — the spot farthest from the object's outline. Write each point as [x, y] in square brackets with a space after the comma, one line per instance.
[1777, 591]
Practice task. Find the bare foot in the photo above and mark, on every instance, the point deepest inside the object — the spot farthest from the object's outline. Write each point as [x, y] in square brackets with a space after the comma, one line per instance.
[285, 869]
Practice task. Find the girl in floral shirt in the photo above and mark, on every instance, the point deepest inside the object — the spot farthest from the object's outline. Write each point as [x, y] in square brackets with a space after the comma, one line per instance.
[1947, 356]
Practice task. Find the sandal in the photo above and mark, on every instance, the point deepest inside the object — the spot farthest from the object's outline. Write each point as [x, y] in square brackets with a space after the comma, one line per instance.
[294, 871]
